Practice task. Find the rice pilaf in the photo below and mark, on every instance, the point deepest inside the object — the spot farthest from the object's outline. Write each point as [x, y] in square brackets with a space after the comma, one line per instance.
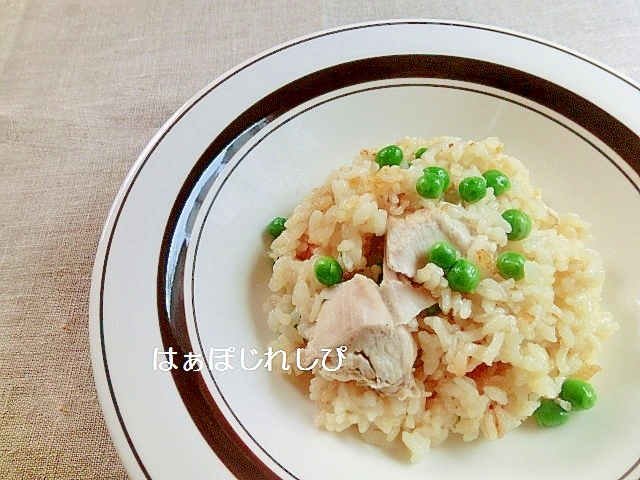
[485, 358]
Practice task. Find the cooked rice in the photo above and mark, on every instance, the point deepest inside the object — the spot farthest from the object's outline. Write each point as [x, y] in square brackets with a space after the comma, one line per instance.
[486, 361]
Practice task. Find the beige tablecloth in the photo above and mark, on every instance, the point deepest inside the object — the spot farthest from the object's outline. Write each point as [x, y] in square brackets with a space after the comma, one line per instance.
[83, 87]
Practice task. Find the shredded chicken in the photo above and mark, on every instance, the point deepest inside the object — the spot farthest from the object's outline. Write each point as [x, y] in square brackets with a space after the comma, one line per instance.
[403, 300]
[374, 322]
[409, 238]
[380, 352]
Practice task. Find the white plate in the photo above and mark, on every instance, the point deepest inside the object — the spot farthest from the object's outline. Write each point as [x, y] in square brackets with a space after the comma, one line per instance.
[182, 261]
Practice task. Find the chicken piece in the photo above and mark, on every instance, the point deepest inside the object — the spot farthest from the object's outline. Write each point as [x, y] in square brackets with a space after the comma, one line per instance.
[380, 354]
[380, 358]
[457, 232]
[349, 307]
[403, 300]
[410, 237]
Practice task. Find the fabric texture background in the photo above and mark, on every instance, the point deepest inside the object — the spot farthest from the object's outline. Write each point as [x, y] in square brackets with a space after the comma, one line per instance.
[83, 87]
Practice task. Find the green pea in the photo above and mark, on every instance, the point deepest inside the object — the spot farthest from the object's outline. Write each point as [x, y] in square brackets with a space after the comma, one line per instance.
[443, 254]
[473, 189]
[430, 185]
[389, 155]
[420, 151]
[276, 227]
[520, 222]
[328, 271]
[432, 310]
[550, 414]
[441, 172]
[579, 393]
[511, 265]
[497, 180]
[463, 276]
